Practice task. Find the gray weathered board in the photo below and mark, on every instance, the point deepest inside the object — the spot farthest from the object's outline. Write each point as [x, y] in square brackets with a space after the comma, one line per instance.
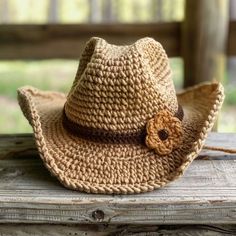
[115, 230]
[206, 194]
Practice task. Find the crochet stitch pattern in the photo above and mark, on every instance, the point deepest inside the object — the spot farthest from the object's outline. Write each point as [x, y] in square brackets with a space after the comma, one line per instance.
[105, 136]
[119, 89]
[164, 133]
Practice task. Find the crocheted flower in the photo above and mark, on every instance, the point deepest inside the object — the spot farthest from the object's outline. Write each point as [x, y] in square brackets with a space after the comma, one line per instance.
[164, 133]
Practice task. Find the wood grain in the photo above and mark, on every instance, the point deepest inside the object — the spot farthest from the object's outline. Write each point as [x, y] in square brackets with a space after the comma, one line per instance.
[17, 145]
[204, 40]
[68, 41]
[206, 194]
[118, 230]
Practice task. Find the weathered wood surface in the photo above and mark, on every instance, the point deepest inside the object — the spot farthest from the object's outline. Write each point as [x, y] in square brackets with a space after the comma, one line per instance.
[117, 230]
[17, 145]
[206, 194]
[204, 40]
[67, 41]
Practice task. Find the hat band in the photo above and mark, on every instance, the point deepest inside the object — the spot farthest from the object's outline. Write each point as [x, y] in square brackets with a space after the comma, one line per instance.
[105, 136]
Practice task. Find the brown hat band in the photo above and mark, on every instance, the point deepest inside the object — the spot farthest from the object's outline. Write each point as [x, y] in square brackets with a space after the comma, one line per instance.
[105, 136]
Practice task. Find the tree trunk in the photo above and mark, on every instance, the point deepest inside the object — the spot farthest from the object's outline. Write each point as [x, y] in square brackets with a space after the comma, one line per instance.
[53, 11]
[108, 16]
[157, 6]
[94, 11]
[4, 12]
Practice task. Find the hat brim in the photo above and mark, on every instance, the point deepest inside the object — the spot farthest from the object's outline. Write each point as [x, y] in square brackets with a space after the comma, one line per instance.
[116, 168]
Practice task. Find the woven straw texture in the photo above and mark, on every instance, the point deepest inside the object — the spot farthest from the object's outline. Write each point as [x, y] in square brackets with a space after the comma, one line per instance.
[119, 89]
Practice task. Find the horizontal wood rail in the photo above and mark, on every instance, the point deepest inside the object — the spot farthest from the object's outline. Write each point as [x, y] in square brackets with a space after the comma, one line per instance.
[67, 41]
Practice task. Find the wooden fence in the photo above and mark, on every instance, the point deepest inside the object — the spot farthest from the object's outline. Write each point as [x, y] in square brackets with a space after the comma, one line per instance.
[203, 39]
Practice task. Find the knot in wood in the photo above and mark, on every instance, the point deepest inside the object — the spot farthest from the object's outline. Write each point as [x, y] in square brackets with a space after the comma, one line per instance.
[98, 215]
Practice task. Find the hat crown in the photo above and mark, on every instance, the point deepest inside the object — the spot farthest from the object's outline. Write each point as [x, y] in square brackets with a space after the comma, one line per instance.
[119, 88]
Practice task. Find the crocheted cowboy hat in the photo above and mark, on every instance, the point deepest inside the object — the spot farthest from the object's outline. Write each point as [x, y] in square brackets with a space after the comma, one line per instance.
[121, 129]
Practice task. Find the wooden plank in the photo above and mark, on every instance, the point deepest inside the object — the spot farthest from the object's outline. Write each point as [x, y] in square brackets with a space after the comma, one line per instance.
[232, 38]
[206, 194]
[204, 40]
[119, 230]
[68, 41]
[18, 145]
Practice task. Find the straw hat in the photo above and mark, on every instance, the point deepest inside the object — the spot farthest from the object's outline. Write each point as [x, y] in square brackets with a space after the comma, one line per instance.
[122, 128]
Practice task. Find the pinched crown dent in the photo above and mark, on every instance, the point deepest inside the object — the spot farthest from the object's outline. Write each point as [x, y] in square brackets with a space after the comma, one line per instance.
[119, 88]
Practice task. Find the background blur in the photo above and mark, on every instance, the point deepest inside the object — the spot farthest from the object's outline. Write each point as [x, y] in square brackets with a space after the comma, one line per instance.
[56, 74]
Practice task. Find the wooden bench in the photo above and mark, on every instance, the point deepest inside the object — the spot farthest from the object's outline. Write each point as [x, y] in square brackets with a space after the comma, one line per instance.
[34, 203]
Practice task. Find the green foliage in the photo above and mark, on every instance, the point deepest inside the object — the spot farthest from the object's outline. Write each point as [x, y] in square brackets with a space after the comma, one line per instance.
[22, 11]
[11, 119]
[176, 65]
[230, 98]
[77, 11]
[54, 74]
[46, 75]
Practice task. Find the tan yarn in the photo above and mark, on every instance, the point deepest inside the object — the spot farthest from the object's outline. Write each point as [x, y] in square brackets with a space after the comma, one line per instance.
[120, 89]
[164, 133]
[220, 149]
